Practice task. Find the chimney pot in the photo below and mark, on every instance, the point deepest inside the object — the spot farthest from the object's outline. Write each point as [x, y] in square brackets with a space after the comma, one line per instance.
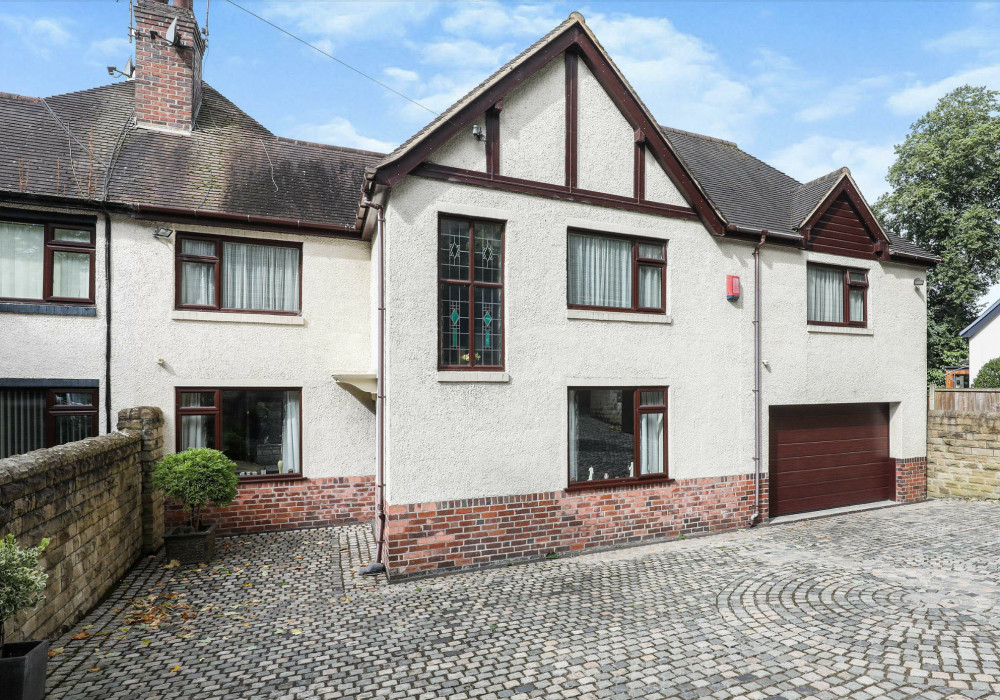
[184, 4]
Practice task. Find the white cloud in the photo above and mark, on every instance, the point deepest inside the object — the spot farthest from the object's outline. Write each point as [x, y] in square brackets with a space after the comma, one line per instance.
[340, 132]
[496, 20]
[110, 48]
[401, 75]
[465, 53]
[341, 23]
[819, 155]
[919, 98]
[969, 38]
[842, 100]
[38, 35]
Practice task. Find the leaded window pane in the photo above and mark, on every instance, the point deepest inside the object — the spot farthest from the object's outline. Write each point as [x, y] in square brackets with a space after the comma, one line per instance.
[453, 249]
[488, 251]
[489, 335]
[454, 325]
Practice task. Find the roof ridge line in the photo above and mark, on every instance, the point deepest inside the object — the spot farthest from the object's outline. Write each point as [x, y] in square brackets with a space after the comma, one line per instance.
[303, 142]
[842, 170]
[716, 139]
[22, 98]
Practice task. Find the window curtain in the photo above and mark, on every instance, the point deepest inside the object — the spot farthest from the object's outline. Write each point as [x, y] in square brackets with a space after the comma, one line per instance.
[650, 287]
[600, 271]
[858, 305]
[651, 443]
[260, 277]
[22, 260]
[198, 284]
[574, 436]
[290, 433]
[22, 421]
[71, 275]
[825, 295]
[194, 431]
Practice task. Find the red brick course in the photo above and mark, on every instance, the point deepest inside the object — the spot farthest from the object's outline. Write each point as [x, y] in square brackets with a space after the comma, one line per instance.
[263, 506]
[911, 479]
[428, 537]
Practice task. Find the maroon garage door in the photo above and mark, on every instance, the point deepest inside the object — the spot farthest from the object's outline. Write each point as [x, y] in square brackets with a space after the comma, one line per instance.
[824, 456]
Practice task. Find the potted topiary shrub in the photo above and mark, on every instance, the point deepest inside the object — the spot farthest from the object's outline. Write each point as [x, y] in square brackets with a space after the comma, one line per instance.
[22, 664]
[194, 478]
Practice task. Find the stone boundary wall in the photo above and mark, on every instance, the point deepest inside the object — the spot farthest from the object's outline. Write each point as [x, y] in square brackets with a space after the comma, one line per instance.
[963, 454]
[289, 504]
[425, 538]
[89, 498]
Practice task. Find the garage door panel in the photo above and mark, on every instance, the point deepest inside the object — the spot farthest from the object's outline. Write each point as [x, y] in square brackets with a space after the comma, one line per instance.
[825, 456]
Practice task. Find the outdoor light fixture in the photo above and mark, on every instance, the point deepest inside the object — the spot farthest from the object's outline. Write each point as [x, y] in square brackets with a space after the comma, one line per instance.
[162, 232]
[918, 282]
[478, 133]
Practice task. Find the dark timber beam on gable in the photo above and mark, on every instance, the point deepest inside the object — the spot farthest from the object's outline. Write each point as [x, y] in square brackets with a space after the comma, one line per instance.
[572, 115]
[493, 139]
[639, 167]
[845, 188]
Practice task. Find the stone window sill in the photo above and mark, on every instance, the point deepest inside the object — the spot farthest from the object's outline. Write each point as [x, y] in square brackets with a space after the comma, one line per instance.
[841, 330]
[12, 307]
[225, 317]
[612, 484]
[619, 316]
[473, 377]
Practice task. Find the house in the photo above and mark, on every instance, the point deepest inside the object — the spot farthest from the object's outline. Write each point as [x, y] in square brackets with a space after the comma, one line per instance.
[984, 339]
[480, 342]
[956, 377]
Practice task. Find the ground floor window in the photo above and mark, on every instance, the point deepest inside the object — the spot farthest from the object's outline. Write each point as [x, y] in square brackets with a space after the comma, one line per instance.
[617, 434]
[33, 418]
[259, 429]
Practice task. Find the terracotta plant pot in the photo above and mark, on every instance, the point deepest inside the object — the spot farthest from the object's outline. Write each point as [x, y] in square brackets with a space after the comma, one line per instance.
[188, 546]
[22, 670]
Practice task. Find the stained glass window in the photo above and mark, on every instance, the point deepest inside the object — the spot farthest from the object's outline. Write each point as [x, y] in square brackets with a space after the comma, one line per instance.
[470, 275]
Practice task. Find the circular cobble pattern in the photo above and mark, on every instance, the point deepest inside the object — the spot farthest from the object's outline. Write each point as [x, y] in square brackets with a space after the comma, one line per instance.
[883, 604]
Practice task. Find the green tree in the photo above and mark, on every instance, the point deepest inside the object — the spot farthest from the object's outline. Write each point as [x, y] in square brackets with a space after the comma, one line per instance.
[989, 375]
[946, 199]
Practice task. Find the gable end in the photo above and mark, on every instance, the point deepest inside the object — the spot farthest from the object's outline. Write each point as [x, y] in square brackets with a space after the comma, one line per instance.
[843, 225]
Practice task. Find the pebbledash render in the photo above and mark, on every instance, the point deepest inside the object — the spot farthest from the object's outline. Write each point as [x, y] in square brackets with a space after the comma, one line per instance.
[597, 330]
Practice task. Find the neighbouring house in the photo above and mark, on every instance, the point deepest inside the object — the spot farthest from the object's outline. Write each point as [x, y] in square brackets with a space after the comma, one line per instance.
[957, 377]
[984, 339]
[551, 262]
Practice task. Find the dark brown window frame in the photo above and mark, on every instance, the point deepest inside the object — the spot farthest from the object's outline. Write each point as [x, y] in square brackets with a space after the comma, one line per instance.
[637, 410]
[54, 246]
[471, 284]
[216, 260]
[52, 410]
[216, 411]
[848, 286]
[637, 262]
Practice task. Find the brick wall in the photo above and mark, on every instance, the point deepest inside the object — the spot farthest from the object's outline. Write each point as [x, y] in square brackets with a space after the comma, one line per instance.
[911, 479]
[167, 78]
[428, 537]
[87, 498]
[963, 454]
[286, 505]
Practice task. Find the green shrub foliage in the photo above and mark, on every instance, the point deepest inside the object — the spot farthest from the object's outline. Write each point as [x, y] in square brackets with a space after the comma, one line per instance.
[195, 478]
[989, 375]
[21, 579]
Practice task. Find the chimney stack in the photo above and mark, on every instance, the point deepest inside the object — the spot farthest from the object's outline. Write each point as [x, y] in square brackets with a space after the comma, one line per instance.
[167, 76]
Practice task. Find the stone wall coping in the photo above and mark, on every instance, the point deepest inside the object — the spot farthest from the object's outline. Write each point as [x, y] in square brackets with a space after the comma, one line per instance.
[963, 414]
[20, 470]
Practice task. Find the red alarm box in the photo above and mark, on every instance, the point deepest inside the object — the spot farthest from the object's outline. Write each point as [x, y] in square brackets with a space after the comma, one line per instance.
[732, 287]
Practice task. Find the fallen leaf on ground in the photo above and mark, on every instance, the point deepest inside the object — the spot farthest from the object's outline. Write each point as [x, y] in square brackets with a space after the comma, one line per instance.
[94, 668]
[175, 668]
[81, 635]
[56, 652]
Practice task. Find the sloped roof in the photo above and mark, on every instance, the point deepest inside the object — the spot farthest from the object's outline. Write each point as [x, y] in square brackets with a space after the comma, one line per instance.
[982, 320]
[63, 146]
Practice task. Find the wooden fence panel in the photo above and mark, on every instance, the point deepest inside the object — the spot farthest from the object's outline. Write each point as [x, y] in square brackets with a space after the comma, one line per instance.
[969, 400]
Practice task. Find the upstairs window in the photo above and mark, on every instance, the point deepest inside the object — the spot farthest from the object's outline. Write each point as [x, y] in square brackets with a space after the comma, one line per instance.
[223, 274]
[46, 263]
[31, 419]
[470, 294]
[836, 296]
[614, 273]
[617, 435]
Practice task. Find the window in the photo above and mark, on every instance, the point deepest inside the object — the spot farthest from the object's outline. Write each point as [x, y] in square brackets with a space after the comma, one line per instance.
[609, 272]
[617, 435]
[46, 262]
[470, 294]
[223, 274]
[31, 418]
[259, 429]
[835, 294]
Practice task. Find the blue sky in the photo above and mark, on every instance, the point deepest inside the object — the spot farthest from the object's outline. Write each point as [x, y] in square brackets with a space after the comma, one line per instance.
[806, 86]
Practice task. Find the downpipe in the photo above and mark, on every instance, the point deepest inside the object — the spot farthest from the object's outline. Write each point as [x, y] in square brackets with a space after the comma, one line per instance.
[377, 566]
[756, 517]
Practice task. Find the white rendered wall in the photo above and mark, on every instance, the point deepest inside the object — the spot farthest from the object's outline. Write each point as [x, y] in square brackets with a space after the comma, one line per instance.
[450, 440]
[533, 127]
[983, 347]
[338, 430]
[659, 187]
[37, 346]
[605, 140]
[463, 150]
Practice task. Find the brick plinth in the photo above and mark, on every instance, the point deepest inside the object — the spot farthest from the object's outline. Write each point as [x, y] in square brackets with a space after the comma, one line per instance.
[287, 505]
[911, 480]
[427, 537]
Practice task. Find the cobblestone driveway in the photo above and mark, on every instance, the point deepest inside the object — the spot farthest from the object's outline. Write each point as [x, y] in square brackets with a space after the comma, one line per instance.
[895, 603]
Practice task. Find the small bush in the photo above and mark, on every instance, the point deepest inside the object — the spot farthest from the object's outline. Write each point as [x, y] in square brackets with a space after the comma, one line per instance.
[21, 580]
[195, 478]
[989, 375]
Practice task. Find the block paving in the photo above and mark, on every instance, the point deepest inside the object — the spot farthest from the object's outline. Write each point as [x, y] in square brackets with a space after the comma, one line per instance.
[902, 602]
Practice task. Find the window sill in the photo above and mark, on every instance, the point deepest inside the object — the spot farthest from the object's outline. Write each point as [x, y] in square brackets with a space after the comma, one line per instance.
[482, 377]
[11, 307]
[613, 484]
[841, 330]
[270, 477]
[226, 317]
[620, 316]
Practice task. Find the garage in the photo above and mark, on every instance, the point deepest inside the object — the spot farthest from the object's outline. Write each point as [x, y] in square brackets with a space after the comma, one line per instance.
[829, 455]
